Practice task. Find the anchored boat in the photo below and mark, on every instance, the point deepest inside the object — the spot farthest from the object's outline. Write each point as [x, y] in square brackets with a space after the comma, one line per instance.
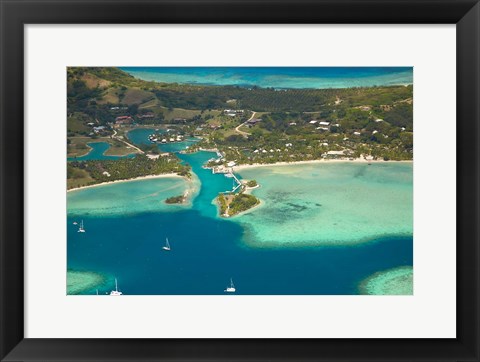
[116, 291]
[231, 288]
[167, 245]
[81, 229]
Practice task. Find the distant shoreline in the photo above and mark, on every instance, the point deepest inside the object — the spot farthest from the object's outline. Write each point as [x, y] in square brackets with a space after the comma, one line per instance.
[283, 163]
[127, 180]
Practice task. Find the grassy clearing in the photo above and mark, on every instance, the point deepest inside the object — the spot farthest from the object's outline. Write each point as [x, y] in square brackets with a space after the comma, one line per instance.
[111, 95]
[118, 148]
[92, 81]
[229, 132]
[179, 113]
[170, 114]
[77, 123]
[136, 96]
[260, 114]
[152, 103]
[78, 146]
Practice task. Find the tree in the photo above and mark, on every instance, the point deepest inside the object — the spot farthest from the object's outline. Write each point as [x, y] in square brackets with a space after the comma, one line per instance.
[133, 109]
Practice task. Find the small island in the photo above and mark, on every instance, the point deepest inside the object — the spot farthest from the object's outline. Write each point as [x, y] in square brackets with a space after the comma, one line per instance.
[180, 199]
[233, 204]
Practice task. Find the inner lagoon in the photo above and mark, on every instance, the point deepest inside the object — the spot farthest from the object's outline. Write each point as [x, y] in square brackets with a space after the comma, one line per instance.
[323, 228]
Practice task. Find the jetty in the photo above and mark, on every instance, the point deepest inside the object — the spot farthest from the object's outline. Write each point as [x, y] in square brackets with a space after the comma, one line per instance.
[235, 179]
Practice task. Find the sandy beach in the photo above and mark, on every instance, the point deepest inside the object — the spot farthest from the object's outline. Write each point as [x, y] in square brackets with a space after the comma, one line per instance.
[356, 160]
[127, 180]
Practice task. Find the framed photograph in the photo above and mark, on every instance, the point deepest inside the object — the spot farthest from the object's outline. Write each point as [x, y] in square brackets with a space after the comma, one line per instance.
[250, 181]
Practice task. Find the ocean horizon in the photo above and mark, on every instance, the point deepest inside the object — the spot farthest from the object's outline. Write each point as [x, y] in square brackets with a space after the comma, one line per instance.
[278, 77]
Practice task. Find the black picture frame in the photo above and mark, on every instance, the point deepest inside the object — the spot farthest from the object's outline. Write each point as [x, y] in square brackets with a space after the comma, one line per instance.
[16, 13]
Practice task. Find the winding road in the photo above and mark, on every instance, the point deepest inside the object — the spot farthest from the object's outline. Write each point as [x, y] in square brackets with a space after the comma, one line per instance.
[237, 129]
[128, 144]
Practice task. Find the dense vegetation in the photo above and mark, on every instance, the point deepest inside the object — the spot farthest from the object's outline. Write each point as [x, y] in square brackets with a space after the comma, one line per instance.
[121, 88]
[242, 202]
[124, 168]
[295, 124]
[232, 204]
[175, 200]
[222, 203]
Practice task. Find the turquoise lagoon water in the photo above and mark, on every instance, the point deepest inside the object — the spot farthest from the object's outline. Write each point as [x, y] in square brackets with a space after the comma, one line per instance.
[278, 77]
[127, 198]
[98, 153]
[124, 239]
[334, 203]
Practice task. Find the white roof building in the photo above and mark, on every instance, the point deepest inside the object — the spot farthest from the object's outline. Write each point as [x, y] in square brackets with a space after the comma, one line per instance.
[313, 122]
[231, 164]
[379, 120]
[323, 123]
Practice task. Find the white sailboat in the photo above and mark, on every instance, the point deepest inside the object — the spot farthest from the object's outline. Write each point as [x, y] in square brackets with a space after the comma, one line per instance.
[231, 288]
[116, 291]
[167, 245]
[81, 229]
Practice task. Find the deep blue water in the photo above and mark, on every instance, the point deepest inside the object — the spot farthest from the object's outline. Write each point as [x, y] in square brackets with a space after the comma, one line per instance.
[278, 77]
[97, 153]
[208, 251]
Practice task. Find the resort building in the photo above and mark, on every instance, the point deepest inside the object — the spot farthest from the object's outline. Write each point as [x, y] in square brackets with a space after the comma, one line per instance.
[253, 122]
